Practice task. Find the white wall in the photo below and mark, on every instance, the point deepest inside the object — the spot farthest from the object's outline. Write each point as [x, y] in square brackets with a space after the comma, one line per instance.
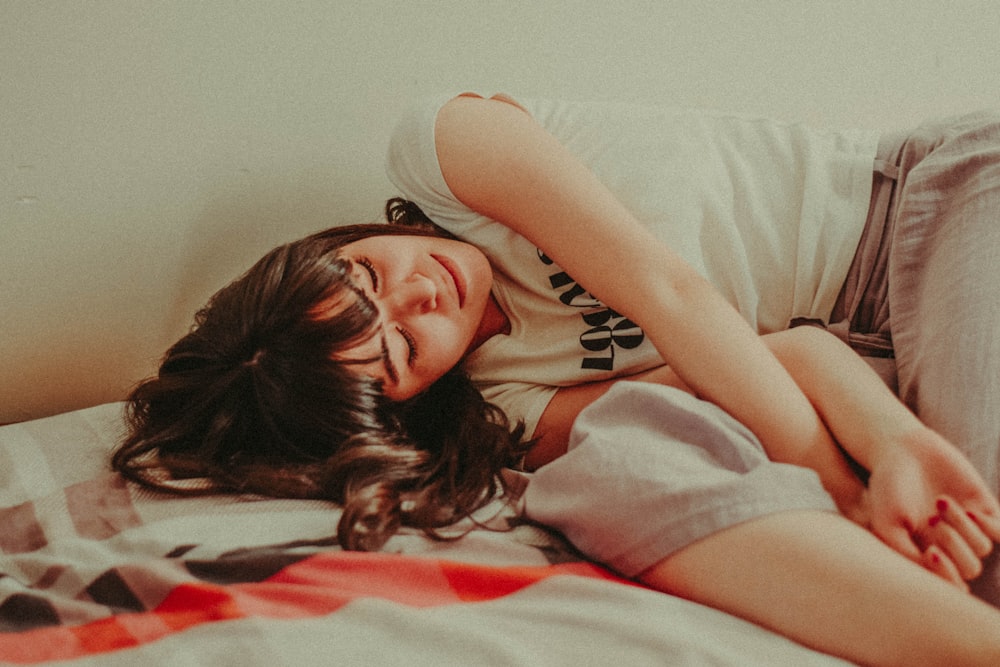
[149, 151]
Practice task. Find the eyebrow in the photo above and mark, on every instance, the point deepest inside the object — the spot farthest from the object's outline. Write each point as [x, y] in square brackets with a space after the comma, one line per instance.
[390, 368]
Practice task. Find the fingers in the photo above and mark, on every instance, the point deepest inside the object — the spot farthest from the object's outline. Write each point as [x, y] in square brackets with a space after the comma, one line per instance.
[900, 539]
[958, 536]
[965, 524]
[987, 519]
[946, 540]
[944, 546]
[938, 563]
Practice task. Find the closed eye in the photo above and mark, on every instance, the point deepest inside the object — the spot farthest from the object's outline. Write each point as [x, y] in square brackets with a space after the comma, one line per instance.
[411, 345]
[367, 265]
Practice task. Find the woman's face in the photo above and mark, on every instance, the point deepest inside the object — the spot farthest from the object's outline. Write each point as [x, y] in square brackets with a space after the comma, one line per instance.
[431, 294]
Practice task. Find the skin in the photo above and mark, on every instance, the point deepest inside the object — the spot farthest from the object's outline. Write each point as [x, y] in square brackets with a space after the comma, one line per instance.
[801, 392]
[831, 585]
[433, 298]
[912, 467]
[433, 295]
[500, 162]
[435, 306]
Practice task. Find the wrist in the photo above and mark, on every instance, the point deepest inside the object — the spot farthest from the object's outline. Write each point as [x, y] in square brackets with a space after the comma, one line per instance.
[848, 492]
[911, 440]
[838, 478]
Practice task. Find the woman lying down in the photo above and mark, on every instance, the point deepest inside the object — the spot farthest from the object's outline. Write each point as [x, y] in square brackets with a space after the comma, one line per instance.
[610, 296]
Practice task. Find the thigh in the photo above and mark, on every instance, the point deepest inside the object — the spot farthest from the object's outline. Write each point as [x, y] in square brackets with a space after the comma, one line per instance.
[827, 583]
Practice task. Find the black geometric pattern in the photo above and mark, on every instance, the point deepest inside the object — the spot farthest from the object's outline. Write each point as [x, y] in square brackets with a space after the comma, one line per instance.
[23, 611]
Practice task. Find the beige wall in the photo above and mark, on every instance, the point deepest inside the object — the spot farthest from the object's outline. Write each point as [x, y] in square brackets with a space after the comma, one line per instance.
[149, 151]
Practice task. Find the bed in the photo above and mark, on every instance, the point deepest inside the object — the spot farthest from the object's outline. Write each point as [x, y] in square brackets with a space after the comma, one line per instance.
[98, 571]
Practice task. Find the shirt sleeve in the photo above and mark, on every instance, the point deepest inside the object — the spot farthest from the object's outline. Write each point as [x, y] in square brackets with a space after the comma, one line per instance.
[412, 164]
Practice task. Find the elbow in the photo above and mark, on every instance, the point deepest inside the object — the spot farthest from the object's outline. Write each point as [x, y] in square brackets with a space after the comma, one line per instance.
[688, 288]
[803, 348]
[816, 341]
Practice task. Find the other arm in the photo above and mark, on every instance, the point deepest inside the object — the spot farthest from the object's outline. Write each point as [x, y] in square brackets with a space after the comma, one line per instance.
[926, 500]
[913, 467]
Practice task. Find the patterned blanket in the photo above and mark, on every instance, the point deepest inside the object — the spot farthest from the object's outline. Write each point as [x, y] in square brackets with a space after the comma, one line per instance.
[97, 571]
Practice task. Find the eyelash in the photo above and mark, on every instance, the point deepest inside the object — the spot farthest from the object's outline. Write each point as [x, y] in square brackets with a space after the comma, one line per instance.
[367, 265]
[411, 343]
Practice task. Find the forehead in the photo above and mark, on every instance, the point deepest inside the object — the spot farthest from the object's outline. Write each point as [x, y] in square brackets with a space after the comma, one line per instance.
[390, 243]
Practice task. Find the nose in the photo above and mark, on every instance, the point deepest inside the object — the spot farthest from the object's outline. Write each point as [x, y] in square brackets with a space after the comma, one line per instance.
[414, 296]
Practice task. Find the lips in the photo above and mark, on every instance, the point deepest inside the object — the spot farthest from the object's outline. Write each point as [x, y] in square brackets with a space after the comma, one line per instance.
[457, 279]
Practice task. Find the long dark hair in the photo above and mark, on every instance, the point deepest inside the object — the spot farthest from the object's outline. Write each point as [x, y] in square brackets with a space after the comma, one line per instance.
[254, 399]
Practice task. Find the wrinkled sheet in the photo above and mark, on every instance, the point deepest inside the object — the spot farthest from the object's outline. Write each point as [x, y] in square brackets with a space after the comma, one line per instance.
[97, 571]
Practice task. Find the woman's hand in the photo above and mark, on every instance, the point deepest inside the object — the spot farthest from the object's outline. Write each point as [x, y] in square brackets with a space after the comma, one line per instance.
[928, 503]
[924, 498]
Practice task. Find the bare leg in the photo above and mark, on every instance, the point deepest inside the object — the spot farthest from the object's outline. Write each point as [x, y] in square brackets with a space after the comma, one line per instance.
[821, 580]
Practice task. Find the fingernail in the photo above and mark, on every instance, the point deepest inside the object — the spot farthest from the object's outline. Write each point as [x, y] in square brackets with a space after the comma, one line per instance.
[934, 520]
[942, 505]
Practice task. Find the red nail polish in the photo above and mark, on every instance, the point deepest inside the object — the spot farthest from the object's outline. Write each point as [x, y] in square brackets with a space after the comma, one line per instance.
[934, 520]
[942, 505]
[935, 558]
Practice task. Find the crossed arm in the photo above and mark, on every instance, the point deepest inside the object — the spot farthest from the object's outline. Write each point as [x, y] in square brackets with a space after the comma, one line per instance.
[921, 490]
[801, 392]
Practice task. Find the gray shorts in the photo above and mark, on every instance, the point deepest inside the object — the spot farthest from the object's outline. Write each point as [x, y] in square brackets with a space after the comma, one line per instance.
[652, 469]
[925, 284]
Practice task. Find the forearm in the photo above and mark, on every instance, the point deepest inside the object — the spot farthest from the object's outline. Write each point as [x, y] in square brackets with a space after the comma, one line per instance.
[756, 387]
[856, 405]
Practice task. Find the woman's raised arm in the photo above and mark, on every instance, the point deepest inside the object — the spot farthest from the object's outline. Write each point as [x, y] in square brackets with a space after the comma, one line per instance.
[500, 162]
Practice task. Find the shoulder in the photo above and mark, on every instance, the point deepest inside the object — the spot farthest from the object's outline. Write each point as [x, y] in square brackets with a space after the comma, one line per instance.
[418, 120]
[429, 132]
[413, 142]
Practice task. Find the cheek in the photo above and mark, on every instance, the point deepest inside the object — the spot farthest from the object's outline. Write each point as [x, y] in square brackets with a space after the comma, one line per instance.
[482, 276]
[447, 346]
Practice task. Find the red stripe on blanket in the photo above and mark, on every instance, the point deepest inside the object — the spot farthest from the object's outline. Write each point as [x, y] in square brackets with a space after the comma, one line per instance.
[470, 585]
[316, 586]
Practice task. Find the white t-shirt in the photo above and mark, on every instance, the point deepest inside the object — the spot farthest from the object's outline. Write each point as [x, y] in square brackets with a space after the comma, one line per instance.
[769, 212]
